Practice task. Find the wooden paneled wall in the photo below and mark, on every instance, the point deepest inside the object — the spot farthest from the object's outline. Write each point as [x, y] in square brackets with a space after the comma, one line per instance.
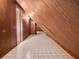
[38, 28]
[25, 30]
[7, 26]
[58, 18]
[29, 26]
[33, 27]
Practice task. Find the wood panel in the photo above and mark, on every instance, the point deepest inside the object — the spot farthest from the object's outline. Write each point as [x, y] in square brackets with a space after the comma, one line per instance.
[32, 27]
[7, 26]
[25, 29]
[59, 19]
[38, 28]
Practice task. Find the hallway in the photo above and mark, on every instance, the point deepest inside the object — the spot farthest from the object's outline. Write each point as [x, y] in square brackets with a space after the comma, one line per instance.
[38, 46]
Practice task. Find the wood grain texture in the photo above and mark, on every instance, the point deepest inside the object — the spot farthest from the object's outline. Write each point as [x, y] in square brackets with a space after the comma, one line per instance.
[25, 29]
[59, 19]
[7, 26]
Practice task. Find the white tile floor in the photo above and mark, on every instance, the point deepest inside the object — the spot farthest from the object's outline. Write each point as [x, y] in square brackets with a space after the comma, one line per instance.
[38, 46]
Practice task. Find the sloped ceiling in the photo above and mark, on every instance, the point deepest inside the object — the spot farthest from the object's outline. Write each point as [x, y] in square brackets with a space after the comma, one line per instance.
[58, 18]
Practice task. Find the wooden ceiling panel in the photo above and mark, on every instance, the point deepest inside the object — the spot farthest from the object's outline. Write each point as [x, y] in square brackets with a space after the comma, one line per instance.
[59, 19]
